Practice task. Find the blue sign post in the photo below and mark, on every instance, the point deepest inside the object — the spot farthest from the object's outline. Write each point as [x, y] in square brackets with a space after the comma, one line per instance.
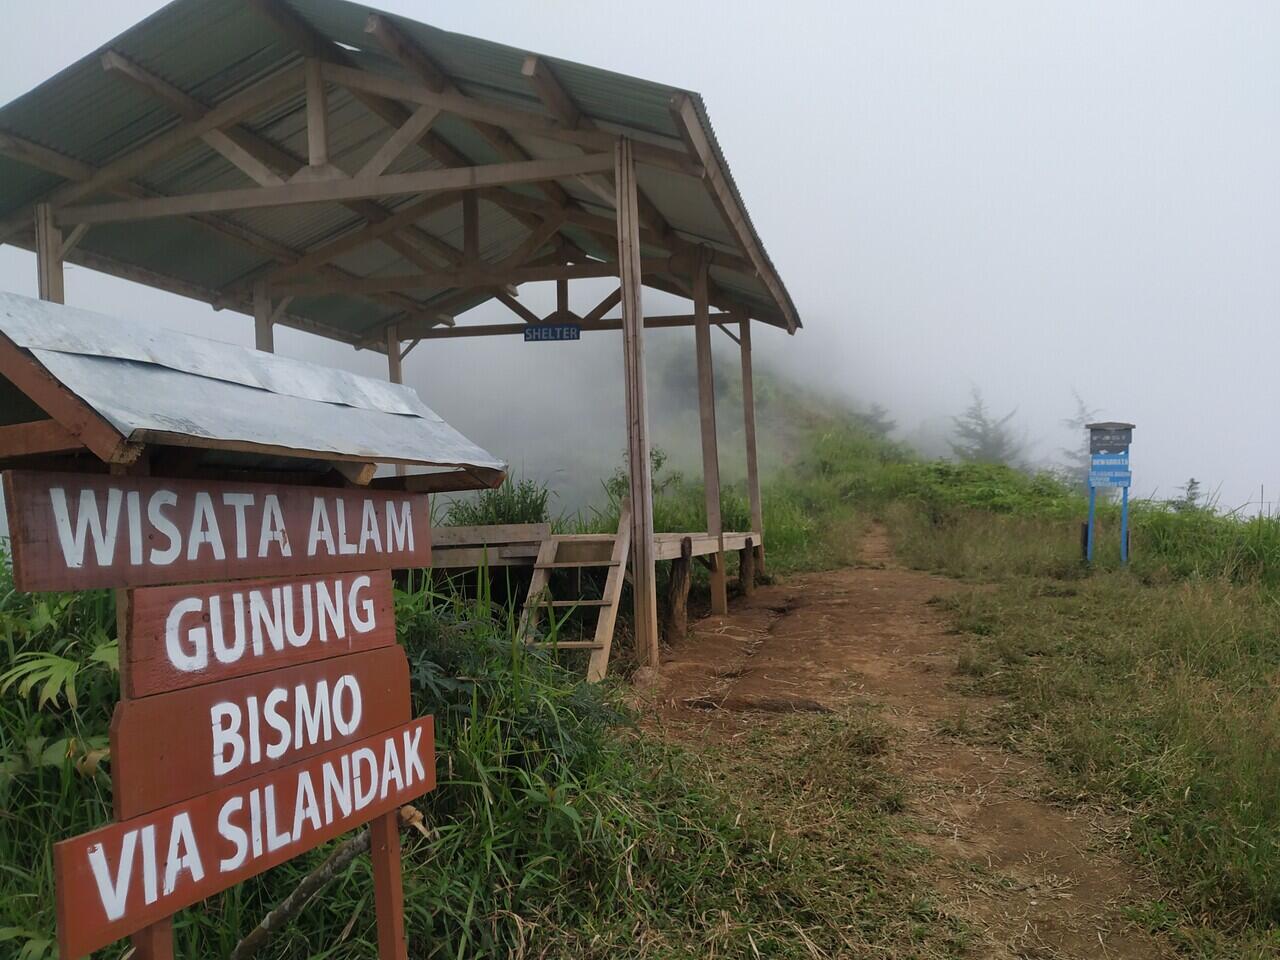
[1109, 467]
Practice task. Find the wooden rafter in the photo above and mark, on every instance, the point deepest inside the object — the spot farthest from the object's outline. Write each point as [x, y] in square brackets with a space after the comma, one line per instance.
[266, 162]
[482, 276]
[587, 324]
[687, 121]
[335, 190]
[53, 162]
[123, 168]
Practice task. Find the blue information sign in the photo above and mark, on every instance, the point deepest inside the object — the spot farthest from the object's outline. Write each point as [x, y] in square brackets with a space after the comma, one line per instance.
[1109, 468]
[540, 332]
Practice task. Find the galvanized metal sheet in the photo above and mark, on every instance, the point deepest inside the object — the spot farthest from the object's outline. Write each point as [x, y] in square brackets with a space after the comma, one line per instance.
[166, 382]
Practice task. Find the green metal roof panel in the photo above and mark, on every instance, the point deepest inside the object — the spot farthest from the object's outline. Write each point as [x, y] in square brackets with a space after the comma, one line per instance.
[212, 49]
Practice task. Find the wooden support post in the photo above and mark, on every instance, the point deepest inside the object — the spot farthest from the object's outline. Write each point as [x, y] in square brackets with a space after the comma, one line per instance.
[471, 226]
[49, 256]
[388, 888]
[395, 369]
[643, 573]
[747, 569]
[156, 941]
[562, 298]
[707, 413]
[317, 116]
[678, 592]
[264, 337]
[749, 432]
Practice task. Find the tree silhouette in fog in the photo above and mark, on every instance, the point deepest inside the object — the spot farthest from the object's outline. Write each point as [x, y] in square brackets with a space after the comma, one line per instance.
[983, 438]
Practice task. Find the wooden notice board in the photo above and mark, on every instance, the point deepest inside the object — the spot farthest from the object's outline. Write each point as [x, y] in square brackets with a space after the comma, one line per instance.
[261, 714]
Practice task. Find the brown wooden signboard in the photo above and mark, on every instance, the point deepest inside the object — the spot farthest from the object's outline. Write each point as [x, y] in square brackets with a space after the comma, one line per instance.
[73, 531]
[259, 717]
[176, 745]
[185, 636]
[114, 881]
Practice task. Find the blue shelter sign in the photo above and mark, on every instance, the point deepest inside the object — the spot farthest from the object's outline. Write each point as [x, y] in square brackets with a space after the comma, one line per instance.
[539, 332]
[1108, 468]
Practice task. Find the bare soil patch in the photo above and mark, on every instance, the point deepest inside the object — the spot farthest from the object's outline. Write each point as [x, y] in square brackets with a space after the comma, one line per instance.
[1034, 878]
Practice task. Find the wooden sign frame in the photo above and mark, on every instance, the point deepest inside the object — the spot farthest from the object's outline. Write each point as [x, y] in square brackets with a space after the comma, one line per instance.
[305, 648]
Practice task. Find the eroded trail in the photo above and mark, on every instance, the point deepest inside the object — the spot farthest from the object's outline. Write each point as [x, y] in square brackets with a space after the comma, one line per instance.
[1035, 879]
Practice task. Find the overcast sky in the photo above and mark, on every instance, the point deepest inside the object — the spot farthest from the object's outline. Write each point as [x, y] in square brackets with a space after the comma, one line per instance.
[1025, 197]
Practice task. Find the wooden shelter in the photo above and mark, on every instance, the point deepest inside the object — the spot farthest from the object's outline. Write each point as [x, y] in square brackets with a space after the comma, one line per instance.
[367, 178]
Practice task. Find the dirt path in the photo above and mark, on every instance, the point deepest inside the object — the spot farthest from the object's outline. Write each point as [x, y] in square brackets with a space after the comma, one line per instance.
[1039, 880]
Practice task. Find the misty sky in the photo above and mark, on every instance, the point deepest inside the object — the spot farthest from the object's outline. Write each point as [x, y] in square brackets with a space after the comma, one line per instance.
[1025, 197]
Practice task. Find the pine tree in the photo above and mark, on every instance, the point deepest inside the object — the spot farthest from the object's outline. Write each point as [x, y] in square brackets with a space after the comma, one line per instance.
[1077, 459]
[981, 438]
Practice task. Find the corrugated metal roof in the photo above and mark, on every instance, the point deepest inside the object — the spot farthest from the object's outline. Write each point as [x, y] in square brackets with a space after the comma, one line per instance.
[161, 382]
[212, 49]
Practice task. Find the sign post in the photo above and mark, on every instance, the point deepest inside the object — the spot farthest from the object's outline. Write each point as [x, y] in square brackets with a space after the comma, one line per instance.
[259, 717]
[1109, 467]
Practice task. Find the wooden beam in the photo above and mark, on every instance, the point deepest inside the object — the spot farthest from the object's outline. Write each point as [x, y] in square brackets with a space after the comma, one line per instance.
[83, 422]
[549, 90]
[643, 571]
[336, 190]
[268, 163]
[407, 134]
[242, 149]
[358, 473]
[707, 419]
[687, 121]
[49, 271]
[317, 116]
[264, 338]
[485, 275]
[412, 57]
[509, 118]
[588, 324]
[254, 98]
[518, 308]
[36, 437]
[604, 306]
[471, 226]
[749, 434]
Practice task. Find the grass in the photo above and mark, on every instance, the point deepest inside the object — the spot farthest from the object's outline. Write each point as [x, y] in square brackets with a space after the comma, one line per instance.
[1151, 690]
[559, 828]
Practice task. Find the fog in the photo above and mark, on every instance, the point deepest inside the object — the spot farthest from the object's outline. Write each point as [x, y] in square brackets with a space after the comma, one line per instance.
[1027, 198]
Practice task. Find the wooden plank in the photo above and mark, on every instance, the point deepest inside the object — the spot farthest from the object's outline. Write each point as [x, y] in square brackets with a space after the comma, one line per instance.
[518, 308]
[49, 256]
[263, 327]
[388, 890]
[598, 664]
[707, 420]
[36, 437]
[109, 880]
[175, 746]
[687, 121]
[587, 324]
[749, 435]
[77, 531]
[234, 108]
[26, 373]
[407, 134]
[335, 190]
[178, 637]
[509, 118]
[317, 116]
[492, 534]
[678, 592]
[481, 275]
[539, 584]
[643, 575]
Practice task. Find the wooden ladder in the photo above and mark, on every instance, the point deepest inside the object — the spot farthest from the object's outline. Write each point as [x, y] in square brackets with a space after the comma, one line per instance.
[580, 552]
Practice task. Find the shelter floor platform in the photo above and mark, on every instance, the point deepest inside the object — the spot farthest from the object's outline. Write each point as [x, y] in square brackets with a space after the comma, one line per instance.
[517, 544]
